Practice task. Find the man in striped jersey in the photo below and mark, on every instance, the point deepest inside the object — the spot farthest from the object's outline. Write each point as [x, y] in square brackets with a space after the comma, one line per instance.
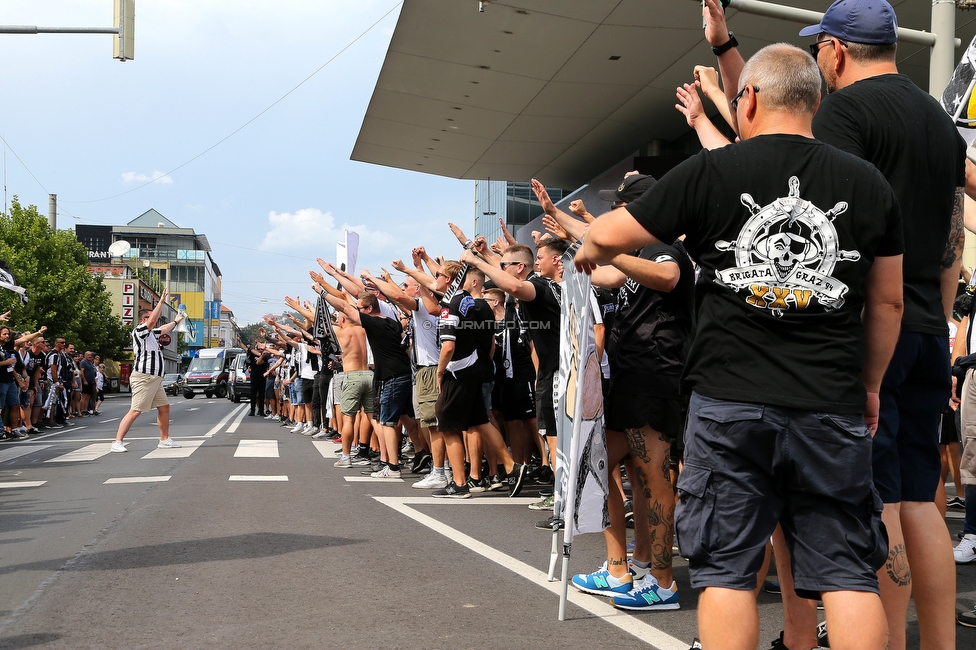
[146, 381]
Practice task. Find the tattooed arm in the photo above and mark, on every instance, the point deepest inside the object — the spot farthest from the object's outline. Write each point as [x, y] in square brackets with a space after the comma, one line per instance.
[952, 257]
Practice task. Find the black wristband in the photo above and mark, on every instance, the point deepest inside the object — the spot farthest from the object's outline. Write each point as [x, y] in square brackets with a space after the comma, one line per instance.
[719, 50]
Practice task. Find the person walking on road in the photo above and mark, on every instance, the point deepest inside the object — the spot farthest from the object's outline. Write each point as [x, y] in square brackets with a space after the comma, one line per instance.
[147, 376]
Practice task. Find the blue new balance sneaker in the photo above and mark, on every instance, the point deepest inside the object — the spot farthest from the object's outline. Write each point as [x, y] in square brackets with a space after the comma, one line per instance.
[602, 583]
[648, 595]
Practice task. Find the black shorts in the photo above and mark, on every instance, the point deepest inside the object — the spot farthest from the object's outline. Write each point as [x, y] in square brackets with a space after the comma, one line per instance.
[630, 409]
[544, 409]
[308, 385]
[906, 460]
[515, 399]
[461, 404]
[751, 466]
[949, 430]
[377, 386]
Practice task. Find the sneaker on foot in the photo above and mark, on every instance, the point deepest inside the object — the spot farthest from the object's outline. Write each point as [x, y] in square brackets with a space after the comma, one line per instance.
[956, 503]
[648, 596]
[965, 551]
[478, 485]
[20, 433]
[516, 479]
[298, 427]
[452, 491]
[696, 645]
[431, 482]
[967, 619]
[495, 483]
[361, 461]
[343, 462]
[319, 435]
[421, 461]
[546, 524]
[117, 447]
[310, 431]
[772, 587]
[386, 472]
[546, 504]
[637, 571]
[601, 582]
[169, 443]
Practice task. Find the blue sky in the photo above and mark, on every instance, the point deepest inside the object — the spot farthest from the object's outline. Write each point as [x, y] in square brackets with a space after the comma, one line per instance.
[270, 198]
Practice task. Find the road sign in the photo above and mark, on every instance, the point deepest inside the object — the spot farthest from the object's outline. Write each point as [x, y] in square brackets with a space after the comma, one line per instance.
[165, 339]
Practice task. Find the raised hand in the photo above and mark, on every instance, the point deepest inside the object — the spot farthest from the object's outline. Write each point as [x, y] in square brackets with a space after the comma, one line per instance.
[540, 193]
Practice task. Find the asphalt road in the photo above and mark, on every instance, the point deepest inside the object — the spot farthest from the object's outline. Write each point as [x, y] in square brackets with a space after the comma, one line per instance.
[248, 537]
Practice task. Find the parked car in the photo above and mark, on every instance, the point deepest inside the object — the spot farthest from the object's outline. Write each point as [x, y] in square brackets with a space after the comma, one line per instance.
[239, 382]
[173, 383]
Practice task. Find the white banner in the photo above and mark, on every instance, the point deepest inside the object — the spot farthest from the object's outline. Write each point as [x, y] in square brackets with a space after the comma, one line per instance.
[348, 251]
[957, 98]
[581, 457]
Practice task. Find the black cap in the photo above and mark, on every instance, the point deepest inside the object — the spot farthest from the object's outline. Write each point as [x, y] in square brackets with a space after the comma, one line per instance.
[631, 188]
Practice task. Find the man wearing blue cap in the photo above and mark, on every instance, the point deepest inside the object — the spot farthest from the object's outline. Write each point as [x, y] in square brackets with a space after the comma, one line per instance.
[879, 115]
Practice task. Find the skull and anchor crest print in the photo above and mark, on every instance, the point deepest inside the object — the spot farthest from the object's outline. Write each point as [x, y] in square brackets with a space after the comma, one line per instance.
[785, 254]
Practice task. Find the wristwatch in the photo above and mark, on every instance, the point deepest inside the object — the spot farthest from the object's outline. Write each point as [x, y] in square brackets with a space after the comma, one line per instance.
[719, 50]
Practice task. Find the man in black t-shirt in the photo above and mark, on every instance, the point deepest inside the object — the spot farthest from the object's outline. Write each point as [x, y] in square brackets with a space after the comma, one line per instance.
[257, 362]
[466, 329]
[879, 115]
[800, 250]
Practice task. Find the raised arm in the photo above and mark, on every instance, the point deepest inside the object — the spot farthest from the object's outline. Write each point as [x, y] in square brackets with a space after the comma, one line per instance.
[730, 62]
[26, 338]
[422, 278]
[573, 227]
[297, 306]
[348, 282]
[508, 283]
[661, 276]
[613, 234]
[392, 291]
[343, 306]
[689, 104]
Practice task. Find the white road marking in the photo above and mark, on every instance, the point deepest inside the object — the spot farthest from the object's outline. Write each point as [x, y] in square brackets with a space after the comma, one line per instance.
[108, 420]
[188, 447]
[66, 429]
[136, 479]
[326, 448]
[195, 408]
[596, 606]
[233, 427]
[219, 426]
[17, 452]
[257, 449]
[88, 452]
[245, 477]
[22, 484]
[370, 479]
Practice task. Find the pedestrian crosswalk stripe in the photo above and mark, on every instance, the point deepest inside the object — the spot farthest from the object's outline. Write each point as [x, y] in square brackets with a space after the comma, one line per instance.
[370, 479]
[17, 452]
[136, 479]
[245, 477]
[257, 449]
[233, 427]
[22, 484]
[88, 452]
[326, 448]
[188, 447]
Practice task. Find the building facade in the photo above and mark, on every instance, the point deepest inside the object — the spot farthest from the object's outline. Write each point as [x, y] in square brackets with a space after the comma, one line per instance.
[513, 202]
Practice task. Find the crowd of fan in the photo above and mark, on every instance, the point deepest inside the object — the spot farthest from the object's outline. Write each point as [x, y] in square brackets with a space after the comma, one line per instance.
[45, 386]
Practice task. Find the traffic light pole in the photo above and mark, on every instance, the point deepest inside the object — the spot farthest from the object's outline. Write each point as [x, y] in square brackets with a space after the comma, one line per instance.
[123, 48]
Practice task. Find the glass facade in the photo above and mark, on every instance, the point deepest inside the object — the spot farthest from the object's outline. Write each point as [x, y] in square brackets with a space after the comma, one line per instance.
[511, 201]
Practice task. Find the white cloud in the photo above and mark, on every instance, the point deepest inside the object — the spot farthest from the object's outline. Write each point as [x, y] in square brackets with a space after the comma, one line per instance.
[160, 177]
[314, 230]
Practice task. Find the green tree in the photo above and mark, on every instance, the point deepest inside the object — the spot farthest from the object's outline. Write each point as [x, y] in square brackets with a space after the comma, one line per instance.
[53, 267]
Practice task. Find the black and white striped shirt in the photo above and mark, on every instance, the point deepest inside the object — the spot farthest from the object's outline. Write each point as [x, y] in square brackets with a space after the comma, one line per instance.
[148, 356]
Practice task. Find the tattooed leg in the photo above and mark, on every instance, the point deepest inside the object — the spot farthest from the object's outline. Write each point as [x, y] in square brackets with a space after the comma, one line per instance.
[653, 500]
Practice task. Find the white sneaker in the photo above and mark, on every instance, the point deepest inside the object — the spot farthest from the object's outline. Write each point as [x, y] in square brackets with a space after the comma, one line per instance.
[386, 472]
[343, 462]
[310, 430]
[298, 427]
[965, 551]
[169, 443]
[431, 482]
[118, 447]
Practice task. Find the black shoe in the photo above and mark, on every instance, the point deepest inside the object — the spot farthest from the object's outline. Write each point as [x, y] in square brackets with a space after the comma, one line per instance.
[967, 619]
[696, 645]
[546, 476]
[778, 644]
[421, 462]
[452, 491]
[772, 587]
[532, 472]
[822, 640]
[480, 485]
[374, 455]
[516, 479]
[956, 503]
[251, 414]
[628, 509]
[546, 524]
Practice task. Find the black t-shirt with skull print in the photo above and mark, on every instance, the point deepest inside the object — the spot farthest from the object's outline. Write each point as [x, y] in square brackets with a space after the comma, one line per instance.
[785, 229]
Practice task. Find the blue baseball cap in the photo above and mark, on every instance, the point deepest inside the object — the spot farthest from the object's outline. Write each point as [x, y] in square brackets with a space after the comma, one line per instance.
[872, 22]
